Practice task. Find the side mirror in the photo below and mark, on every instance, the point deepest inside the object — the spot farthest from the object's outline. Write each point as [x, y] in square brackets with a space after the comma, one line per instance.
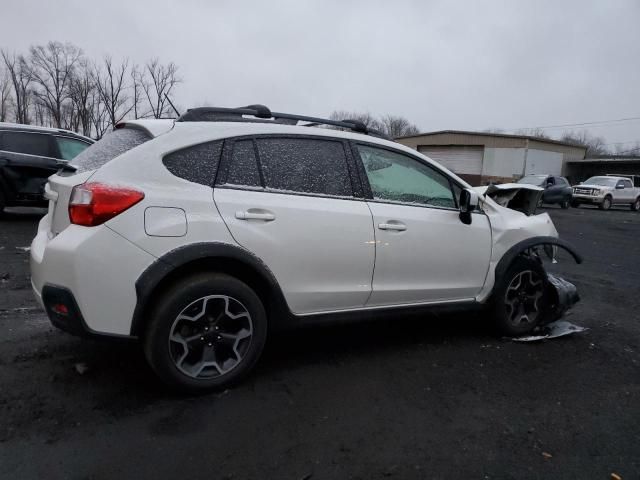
[469, 201]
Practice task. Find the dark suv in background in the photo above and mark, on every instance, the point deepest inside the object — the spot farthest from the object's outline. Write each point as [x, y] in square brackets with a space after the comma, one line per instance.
[556, 189]
[28, 156]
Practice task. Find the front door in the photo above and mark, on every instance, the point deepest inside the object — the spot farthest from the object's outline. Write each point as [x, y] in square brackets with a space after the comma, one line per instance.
[424, 253]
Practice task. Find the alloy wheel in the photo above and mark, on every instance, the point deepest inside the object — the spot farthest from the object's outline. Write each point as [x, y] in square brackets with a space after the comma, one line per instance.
[210, 337]
[522, 297]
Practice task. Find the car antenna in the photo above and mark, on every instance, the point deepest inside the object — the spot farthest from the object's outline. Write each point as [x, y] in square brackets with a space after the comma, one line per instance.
[172, 105]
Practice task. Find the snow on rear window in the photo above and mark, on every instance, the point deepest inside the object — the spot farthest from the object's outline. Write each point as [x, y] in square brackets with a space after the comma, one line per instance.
[109, 147]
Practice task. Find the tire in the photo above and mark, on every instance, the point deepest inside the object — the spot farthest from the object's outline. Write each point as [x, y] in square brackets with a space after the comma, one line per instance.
[2, 203]
[635, 206]
[606, 203]
[519, 298]
[218, 329]
[565, 204]
[575, 204]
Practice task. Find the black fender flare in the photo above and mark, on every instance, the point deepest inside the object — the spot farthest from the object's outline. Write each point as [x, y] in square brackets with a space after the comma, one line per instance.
[158, 271]
[524, 245]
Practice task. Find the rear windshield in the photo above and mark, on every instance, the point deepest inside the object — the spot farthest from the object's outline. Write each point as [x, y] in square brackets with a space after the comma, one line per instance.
[109, 147]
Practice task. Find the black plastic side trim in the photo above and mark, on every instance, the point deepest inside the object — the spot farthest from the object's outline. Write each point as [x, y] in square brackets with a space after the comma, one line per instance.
[520, 247]
[158, 271]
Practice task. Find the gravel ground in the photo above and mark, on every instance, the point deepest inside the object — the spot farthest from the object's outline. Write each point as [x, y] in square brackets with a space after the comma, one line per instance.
[419, 398]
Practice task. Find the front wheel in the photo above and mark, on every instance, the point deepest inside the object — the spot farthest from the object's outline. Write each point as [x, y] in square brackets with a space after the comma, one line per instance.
[519, 297]
[635, 206]
[206, 333]
[606, 203]
[575, 204]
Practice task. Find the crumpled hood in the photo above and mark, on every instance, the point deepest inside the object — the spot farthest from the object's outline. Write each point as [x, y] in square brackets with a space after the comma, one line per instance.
[521, 197]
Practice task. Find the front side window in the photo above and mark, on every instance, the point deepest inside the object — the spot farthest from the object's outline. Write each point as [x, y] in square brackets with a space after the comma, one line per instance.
[29, 143]
[627, 184]
[305, 165]
[399, 178]
[70, 148]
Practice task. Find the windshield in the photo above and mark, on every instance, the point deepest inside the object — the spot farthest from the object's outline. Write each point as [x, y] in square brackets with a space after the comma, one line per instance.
[604, 181]
[533, 179]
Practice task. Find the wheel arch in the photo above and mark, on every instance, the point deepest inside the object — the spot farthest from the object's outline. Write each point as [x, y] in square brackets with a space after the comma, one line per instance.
[208, 257]
[524, 245]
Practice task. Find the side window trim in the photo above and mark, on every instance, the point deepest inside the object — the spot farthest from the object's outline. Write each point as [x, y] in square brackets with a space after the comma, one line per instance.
[367, 186]
[227, 158]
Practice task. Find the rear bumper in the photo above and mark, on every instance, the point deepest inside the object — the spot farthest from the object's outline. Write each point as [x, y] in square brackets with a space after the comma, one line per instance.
[97, 268]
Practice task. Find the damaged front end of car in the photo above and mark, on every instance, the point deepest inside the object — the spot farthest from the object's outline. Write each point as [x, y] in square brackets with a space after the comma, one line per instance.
[519, 232]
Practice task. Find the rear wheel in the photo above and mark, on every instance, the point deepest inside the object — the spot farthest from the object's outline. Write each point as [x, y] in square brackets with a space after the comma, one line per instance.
[635, 206]
[564, 204]
[206, 333]
[519, 297]
[606, 203]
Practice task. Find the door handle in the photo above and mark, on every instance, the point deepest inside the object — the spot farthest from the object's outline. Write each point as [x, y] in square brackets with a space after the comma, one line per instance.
[249, 215]
[400, 227]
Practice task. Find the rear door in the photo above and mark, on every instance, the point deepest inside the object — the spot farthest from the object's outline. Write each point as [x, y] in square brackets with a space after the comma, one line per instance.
[424, 252]
[293, 202]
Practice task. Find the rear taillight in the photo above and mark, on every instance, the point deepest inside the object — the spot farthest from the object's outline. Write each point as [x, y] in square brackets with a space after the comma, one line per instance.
[92, 204]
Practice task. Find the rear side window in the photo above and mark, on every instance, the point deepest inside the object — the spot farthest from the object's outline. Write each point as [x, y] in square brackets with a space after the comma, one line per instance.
[197, 164]
[305, 165]
[30, 143]
[244, 165]
[109, 147]
[70, 148]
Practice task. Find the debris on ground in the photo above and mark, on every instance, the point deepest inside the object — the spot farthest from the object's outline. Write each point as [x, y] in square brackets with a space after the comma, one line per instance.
[559, 328]
[547, 455]
[24, 249]
[615, 476]
[81, 368]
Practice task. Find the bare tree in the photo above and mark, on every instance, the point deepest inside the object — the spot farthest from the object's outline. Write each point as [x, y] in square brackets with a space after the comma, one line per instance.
[595, 145]
[533, 132]
[51, 68]
[158, 86]
[20, 79]
[6, 100]
[395, 126]
[137, 82]
[369, 120]
[112, 89]
[81, 93]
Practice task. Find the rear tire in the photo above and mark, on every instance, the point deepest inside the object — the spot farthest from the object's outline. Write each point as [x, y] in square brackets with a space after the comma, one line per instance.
[206, 333]
[519, 298]
[606, 203]
[635, 206]
[564, 204]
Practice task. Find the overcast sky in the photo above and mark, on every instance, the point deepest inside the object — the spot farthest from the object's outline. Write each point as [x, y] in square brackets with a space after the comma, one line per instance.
[465, 65]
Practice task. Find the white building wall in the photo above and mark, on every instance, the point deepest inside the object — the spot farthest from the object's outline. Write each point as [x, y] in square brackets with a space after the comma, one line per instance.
[503, 162]
[542, 161]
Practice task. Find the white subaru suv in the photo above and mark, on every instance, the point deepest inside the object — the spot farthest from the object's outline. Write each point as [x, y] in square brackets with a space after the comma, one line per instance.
[198, 236]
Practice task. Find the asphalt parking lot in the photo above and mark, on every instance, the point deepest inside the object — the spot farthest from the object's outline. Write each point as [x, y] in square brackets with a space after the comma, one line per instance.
[430, 397]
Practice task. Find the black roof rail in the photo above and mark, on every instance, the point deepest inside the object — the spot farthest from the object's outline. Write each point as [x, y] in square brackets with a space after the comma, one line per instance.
[264, 114]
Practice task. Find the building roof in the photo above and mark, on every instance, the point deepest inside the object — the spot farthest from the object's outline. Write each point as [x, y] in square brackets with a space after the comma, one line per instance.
[491, 134]
[609, 159]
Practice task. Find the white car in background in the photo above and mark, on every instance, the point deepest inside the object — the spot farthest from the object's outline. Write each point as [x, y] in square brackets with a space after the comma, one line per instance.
[197, 236]
[607, 191]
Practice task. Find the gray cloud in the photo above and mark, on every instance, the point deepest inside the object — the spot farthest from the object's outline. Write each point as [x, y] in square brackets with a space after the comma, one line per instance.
[463, 65]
